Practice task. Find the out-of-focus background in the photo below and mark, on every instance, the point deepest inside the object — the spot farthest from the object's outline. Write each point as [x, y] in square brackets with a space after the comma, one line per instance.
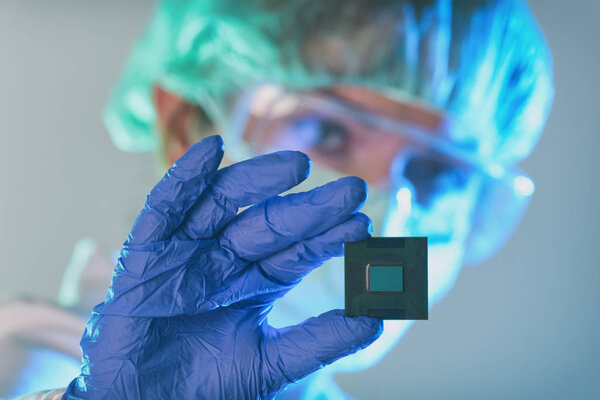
[523, 325]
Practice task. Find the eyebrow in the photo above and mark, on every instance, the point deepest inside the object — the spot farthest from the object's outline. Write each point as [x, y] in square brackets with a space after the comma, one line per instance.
[409, 111]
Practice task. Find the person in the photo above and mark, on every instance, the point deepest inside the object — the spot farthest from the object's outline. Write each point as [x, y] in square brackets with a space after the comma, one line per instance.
[432, 103]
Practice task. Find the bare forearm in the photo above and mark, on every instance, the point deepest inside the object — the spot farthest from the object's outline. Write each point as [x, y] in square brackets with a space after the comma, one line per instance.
[55, 394]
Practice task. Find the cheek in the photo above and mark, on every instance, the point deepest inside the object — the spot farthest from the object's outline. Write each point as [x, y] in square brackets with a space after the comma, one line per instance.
[444, 264]
[373, 153]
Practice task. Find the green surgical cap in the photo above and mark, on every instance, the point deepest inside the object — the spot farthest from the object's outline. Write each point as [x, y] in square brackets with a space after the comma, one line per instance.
[483, 63]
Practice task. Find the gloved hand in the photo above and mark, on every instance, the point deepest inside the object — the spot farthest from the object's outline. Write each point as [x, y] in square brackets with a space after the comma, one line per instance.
[186, 314]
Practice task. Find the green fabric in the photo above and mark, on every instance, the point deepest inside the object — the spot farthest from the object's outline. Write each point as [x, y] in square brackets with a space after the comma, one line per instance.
[388, 278]
[485, 63]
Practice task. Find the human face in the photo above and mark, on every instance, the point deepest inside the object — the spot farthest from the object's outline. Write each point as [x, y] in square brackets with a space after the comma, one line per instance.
[420, 183]
[348, 145]
[401, 148]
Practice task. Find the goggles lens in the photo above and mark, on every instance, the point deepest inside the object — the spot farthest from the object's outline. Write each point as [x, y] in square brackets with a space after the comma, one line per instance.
[438, 190]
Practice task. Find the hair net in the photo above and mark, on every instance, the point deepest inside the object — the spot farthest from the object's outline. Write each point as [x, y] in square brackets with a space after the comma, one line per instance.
[483, 63]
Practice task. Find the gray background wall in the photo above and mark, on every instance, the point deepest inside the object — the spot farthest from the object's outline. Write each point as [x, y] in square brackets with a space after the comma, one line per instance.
[523, 325]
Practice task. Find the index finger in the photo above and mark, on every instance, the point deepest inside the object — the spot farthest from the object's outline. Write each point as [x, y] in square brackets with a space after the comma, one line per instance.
[172, 197]
[243, 184]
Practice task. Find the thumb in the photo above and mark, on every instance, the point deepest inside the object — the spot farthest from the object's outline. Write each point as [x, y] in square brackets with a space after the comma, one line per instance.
[317, 342]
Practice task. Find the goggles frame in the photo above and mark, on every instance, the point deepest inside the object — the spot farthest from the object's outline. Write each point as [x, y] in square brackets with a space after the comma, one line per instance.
[266, 103]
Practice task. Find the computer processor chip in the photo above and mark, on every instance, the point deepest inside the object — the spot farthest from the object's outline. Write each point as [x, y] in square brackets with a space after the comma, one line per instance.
[386, 277]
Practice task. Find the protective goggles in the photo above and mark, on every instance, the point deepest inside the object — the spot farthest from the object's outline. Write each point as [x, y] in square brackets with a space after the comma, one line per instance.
[438, 189]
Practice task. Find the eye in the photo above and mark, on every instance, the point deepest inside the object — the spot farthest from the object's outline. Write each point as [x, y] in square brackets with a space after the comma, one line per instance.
[432, 177]
[321, 134]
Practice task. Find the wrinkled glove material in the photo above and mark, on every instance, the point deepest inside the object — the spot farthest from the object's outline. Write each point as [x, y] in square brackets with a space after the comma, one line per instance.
[186, 313]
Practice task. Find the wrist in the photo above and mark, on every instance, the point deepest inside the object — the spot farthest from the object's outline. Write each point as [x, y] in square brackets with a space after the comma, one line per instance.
[55, 394]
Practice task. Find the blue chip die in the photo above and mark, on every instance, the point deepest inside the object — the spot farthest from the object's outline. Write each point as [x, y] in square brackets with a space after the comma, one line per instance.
[386, 277]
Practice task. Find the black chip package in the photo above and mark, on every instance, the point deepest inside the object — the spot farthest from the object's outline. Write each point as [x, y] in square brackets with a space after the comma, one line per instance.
[386, 277]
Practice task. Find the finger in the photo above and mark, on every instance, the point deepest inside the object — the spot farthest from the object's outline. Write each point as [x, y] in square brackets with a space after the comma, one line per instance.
[165, 287]
[149, 285]
[265, 281]
[242, 184]
[290, 265]
[168, 285]
[168, 278]
[273, 225]
[296, 351]
[175, 194]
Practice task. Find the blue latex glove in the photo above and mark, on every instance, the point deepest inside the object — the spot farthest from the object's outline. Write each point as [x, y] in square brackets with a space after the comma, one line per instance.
[186, 313]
